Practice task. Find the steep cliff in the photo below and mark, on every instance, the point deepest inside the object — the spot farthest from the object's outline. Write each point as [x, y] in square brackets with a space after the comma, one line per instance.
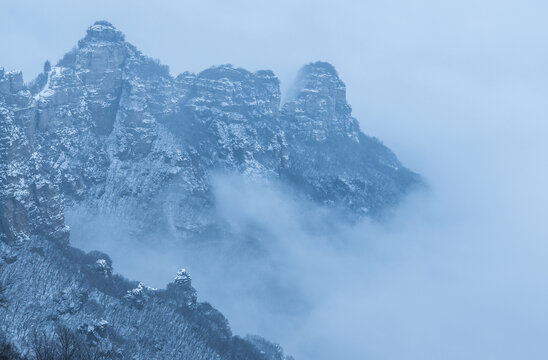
[119, 134]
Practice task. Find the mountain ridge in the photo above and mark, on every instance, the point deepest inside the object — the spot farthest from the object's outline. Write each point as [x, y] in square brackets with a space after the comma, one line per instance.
[110, 130]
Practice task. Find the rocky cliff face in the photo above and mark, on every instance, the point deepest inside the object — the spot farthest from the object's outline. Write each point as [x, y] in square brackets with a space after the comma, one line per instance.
[330, 158]
[110, 130]
[31, 203]
[45, 283]
[119, 134]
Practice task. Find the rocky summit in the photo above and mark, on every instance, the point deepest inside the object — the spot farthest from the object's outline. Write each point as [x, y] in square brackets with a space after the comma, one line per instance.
[110, 130]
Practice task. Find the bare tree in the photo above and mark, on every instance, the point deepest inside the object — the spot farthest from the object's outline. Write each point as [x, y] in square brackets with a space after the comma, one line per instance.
[65, 344]
[69, 344]
[43, 347]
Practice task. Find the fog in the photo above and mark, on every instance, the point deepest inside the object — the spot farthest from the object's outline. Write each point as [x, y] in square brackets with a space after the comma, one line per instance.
[457, 89]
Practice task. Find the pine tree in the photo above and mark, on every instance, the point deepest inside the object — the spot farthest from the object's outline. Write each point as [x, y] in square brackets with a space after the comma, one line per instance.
[47, 67]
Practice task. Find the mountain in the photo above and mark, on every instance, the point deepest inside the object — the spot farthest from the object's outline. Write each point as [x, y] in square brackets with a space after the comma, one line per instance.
[45, 283]
[109, 130]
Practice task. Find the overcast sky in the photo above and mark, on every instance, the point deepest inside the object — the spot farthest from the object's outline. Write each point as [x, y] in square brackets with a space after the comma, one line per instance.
[458, 89]
[395, 56]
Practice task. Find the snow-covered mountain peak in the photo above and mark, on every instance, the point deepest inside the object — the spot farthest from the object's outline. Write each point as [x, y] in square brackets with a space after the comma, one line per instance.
[104, 31]
[317, 108]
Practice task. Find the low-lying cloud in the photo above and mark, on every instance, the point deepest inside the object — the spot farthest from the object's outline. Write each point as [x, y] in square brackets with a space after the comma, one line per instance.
[453, 274]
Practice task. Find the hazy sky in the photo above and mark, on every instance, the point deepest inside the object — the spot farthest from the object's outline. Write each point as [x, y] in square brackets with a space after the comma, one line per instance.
[395, 56]
[458, 89]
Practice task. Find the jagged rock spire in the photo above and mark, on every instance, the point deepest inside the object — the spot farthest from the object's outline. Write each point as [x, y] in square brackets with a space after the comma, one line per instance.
[317, 108]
